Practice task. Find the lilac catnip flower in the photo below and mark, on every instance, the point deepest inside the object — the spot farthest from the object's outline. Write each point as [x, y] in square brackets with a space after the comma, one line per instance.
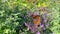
[33, 28]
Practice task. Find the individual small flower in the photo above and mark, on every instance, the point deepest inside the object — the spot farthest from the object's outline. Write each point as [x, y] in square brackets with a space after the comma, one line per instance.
[33, 29]
[42, 25]
[38, 32]
[36, 26]
[26, 24]
[45, 18]
[44, 28]
[24, 17]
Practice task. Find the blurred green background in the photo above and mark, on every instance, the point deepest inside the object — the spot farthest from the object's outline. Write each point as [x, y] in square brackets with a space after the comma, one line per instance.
[11, 14]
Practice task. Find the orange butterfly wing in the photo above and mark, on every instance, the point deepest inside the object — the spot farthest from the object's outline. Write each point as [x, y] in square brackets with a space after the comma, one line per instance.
[36, 19]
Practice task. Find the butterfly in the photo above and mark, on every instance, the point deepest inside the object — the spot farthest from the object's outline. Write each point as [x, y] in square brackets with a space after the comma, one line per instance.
[36, 19]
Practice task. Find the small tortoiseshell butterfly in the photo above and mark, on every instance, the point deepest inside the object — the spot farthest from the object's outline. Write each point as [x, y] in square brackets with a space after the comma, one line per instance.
[36, 19]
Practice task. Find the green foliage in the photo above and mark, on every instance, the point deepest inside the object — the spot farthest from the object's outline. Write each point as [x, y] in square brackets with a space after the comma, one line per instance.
[12, 14]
